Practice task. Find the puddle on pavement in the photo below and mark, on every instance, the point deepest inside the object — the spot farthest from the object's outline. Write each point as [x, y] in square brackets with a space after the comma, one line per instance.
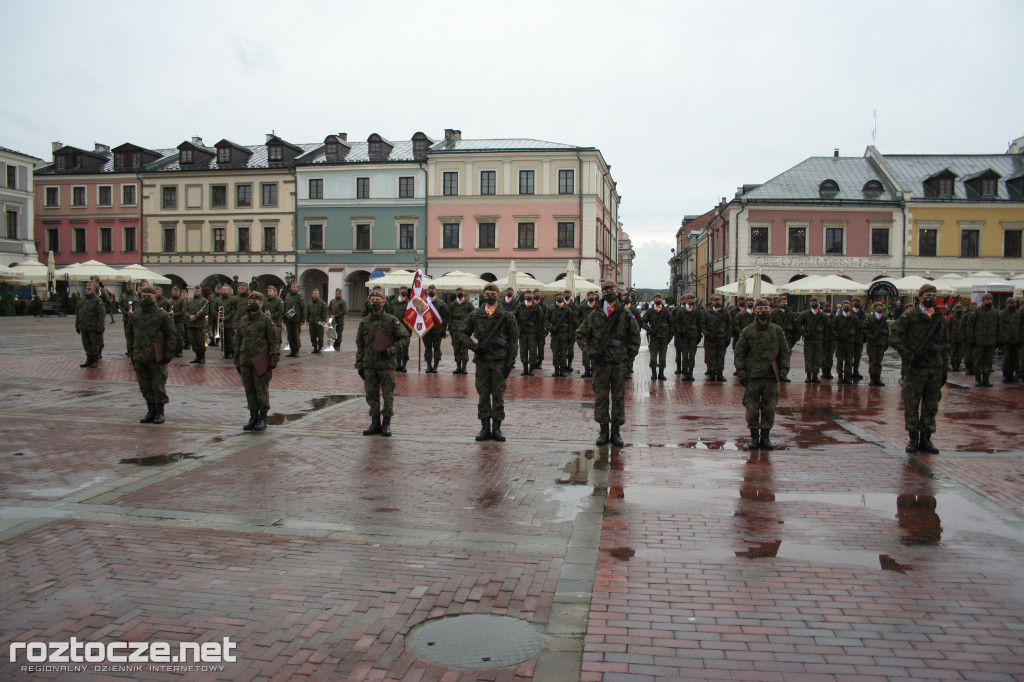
[583, 476]
[279, 418]
[58, 492]
[158, 460]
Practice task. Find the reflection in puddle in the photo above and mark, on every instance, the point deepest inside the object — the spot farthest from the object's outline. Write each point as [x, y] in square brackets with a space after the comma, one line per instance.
[158, 460]
[279, 418]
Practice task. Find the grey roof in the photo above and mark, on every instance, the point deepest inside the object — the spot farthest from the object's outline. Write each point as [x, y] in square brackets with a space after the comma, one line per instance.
[108, 165]
[359, 152]
[14, 151]
[512, 144]
[911, 170]
[258, 158]
[801, 182]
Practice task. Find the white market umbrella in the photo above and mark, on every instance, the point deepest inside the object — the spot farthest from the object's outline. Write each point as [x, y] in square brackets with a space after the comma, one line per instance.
[967, 284]
[950, 276]
[828, 284]
[139, 272]
[29, 272]
[513, 277]
[8, 275]
[83, 272]
[456, 279]
[910, 285]
[521, 282]
[396, 279]
[740, 287]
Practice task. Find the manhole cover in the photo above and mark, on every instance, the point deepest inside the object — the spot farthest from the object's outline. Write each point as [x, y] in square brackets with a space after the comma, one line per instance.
[475, 642]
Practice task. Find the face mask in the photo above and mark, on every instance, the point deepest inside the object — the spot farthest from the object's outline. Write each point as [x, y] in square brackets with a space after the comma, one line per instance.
[375, 306]
[148, 303]
[559, 302]
[716, 306]
[856, 309]
[763, 315]
[253, 306]
[878, 314]
[490, 299]
[750, 311]
[783, 306]
[846, 312]
[459, 297]
[689, 306]
[988, 304]
[528, 301]
[611, 297]
[431, 296]
[814, 306]
[928, 302]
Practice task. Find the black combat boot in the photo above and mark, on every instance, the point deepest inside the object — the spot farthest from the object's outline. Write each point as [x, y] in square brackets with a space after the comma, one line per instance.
[925, 444]
[385, 427]
[249, 425]
[93, 361]
[679, 369]
[661, 375]
[827, 374]
[401, 366]
[194, 361]
[150, 414]
[977, 380]
[496, 433]
[654, 374]
[374, 427]
[337, 345]
[616, 437]
[808, 380]
[985, 382]
[586, 373]
[602, 438]
[458, 368]
[177, 354]
[159, 417]
[485, 431]
[689, 375]
[202, 359]
[261, 421]
[968, 371]
[721, 378]
[913, 443]
[766, 442]
[815, 379]
[755, 440]
[88, 361]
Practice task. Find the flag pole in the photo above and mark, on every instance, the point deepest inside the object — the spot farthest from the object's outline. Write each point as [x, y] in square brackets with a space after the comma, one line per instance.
[419, 353]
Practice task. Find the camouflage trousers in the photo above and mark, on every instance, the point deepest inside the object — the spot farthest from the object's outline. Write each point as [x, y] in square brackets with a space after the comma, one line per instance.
[541, 341]
[460, 350]
[814, 354]
[585, 355]
[876, 352]
[686, 352]
[760, 396]
[92, 342]
[528, 350]
[829, 356]
[197, 339]
[659, 352]
[257, 388]
[379, 385]
[714, 355]
[845, 358]
[561, 345]
[294, 335]
[316, 335]
[858, 353]
[922, 391]
[152, 377]
[339, 329]
[129, 333]
[180, 328]
[432, 346]
[490, 387]
[227, 339]
[956, 353]
[610, 382]
[983, 358]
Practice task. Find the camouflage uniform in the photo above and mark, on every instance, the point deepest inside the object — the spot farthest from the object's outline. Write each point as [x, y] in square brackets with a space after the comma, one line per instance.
[90, 315]
[610, 370]
[274, 306]
[922, 386]
[875, 332]
[458, 311]
[530, 320]
[829, 346]
[128, 303]
[1009, 339]
[814, 328]
[717, 330]
[542, 333]
[847, 333]
[432, 339]
[178, 315]
[582, 313]
[759, 346]
[955, 326]
[255, 334]
[789, 322]
[296, 305]
[316, 312]
[197, 306]
[562, 327]
[377, 368]
[983, 333]
[858, 349]
[337, 309]
[152, 326]
[493, 367]
[658, 325]
[230, 305]
[397, 308]
[686, 328]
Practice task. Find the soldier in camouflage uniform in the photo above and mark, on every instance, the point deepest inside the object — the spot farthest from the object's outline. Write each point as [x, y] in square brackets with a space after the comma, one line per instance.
[178, 315]
[741, 318]
[195, 321]
[155, 338]
[542, 334]
[686, 328]
[761, 350]
[846, 330]
[432, 338]
[494, 362]
[716, 327]
[274, 306]
[377, 367]
[875, 332]
[397, 305]
[128, 303]
[582, 313]
[530, 320]
[562, 327]
[922, 340]
[830, 342]
[458, 311]
[337, 309]
[789, 322]
[1010, 341]
[294, 316]
[657, 322]
[954, 324]
[256, 341]
[571, 350]
[983, 334]
[230, 304]
[612, 337]
[814, 328]
[316, 316]
[90, 317]
[965, 339]
[858, 350]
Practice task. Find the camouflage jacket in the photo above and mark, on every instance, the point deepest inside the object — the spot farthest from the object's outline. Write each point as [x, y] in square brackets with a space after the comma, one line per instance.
[814, 326]
[458, 312]
[369, 327]
[294, 302]
[846, 329]
[316, 311]
[908, 333]
[178, 309]
[241, 307]
[274, 306]
[530, 319]
[1008, 333]
[624, 341]
[337, 308]
[504, 348]
[716, 326]
[686, 323]
[786, 319]
[562, 321]
[198, 306]
[955, 325]
[758, 347]
[253, 335]
[657, 323]
[875, 331]
[128, 303]
[152, 326]
[982, 327]
[442, 310]
[90, 314]
[740, 321]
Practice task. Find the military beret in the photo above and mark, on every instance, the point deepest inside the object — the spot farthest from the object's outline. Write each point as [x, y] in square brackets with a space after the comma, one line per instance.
[491, 287]
[609, 283]
[255, 295]
[147, 290]
[925, 288]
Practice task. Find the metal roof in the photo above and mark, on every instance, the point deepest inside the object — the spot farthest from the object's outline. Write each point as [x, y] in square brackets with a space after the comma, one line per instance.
[913, 169]
[359, 152]
[14, 151]
[512, 144]
[802, 182]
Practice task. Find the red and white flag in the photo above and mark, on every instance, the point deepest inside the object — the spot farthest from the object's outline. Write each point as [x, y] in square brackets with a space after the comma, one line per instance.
[420, 314]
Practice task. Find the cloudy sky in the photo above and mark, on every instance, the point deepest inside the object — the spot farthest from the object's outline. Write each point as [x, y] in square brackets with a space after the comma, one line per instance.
[686, 100]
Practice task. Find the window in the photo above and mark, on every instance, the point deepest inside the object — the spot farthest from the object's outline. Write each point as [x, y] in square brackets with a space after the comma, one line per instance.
[12, 177]
[928, 243]
[797, 240]
[269, 238]
[224, 155]
[275, 152]
[78, 196]
[989, 186]
[759, 240]
[969, 241]
[945, 186]
[68, 161]
[170, 197]
[269, 192]
[526, 181]
[104, 195]
[185, 156]
[419, 147]
[1012, 244]
[450, 236]
[53, 239]
[834, 241]
[53, 196]
[219, 196]
[406, 187]
[316, 237]
[362, 237]
[11, 219]
[375, 149]
[128, 240]
[79, 233]
[566, 235]
[488, 182]
[243, 195]
[525, 238]
[566, 181]
[170, 240]
[879, 241]
[106, 239]
[362, 188]
[487, 236]
[407, 236]
[219, 240]
[451, 184]
[243, 239]
[828, 189]
[873, 187]
[316, 188]
[128, 195]
[332, 149]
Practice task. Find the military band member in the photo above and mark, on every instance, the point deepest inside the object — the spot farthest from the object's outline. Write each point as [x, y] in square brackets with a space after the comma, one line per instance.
[876, 336]
[294, 316]
[715, 325]
[90, 318]
[155, 338]
[258, 347]
[657, 322]
[1010, 341]
[562, 327]
[195, 325]
[459, 309]
[178, 315]
[376, 366]
[814, 327]
[229, 302]
[316, 316]
[586, 308]
[274, 306]
[762, 362]
[338, 309]
[686, 328]
[983, 335]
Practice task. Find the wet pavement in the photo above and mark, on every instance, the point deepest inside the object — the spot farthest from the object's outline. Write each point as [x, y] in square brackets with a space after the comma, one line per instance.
[327, 555]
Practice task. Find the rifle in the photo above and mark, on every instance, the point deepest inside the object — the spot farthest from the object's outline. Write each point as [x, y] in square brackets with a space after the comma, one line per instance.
[883, 323]
[484, 347]
[919, 354]
[718, 323]
[601, 351]
[661, 322]
[843, 335]
[558, 325]
[689, 322]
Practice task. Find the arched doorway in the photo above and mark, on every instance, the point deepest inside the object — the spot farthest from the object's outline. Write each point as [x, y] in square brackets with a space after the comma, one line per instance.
[214, 281]
[176, 281]
[263, 281]
[313, 279]
[356, 290]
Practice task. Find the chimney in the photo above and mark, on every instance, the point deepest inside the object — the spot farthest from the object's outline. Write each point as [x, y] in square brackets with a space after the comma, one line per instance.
[451, 135]
[197, 141]
[835, 153]
[55, 145]
[270, 136]
[101, 148]
[343, 136]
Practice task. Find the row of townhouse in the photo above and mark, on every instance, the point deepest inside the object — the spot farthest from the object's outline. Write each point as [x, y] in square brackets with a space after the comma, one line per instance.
[331, 214]
[863, 218]
[16, 205]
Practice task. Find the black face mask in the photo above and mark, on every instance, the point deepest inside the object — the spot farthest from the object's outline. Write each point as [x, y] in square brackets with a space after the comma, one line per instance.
[610, 296]
[814, 305]
[148, 303]
[375, 306]
[253, 306]
[460, 296]
[716, 306]
[928, 302]
[491, 299]
[763, 315]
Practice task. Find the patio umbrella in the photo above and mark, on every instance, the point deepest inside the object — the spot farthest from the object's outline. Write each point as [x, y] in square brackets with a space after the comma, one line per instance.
[28, 272]
[739, 288]
[758, 282]
[83, 272]
[8, 275]
[137, 272]
[51, 273]
[741, 285]
[967, 284]
[521, 283]
[829, 284]
[456, 279]
[513, 277]
[396, 279]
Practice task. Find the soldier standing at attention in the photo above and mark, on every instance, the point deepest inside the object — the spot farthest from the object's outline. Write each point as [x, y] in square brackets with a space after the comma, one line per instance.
[585, 309]
[542, 333]
[562, 327]
[790, 324]
[876, 336]
[571, 351]
[294, 316]
[230, 305]
[90, 316]
[195, 325]
[510, 295]
[378, 341]
[716, 328]
[316, 315]
[178, 315]
[741, 318]
[432, 339]
[1010, 341]
[529, 319]
[612, 336]
[858, 350]
[846, 330]
[128, 302]
[155, 339]
[258, 349]
[762, 361]
[922, 340]
[497, 340]
[397, 307]
[983, 334]
[687, 335]
[458, 311]
[337, 309]
[274, 306]
[814, 327]
[830, 342]
[657, 322]
[955, 337]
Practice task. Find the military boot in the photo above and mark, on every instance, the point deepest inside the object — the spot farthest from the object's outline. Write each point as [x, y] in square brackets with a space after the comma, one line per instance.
[913, 443]
[679, 369]
[458, 368]
[385, 427]
[654, 374]
[808, 380]
[721, 377]
[150, 414]
[92, 361]
[616, 437]
[88, 361]
[261, 421]
[202, 359]
[815, 379]
[158, 418]
[496, 433]
[586, 373]
[985, 382]
[374, 427]
[766, 442]
[755, 440]
[977, 380]
[249, 425]
[661, 375]
[194, 361]
[485, 431]
[925, 444]
[602, 438]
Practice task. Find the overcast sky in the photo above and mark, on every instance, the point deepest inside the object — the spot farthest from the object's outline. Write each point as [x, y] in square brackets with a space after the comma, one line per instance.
[686, 100]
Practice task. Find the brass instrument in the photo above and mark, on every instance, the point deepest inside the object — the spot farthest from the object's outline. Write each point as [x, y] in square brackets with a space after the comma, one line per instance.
[220, 323]
[330, 335]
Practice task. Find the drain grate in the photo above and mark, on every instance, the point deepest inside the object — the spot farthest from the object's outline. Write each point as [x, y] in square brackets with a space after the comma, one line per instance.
[475, 641]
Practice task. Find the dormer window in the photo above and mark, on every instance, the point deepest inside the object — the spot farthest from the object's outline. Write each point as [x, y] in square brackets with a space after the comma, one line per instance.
[989, 187]
[1015, 188]
[940, 185]
[419, 147]
[828, 189]
[186, 156]
[375, 148]
[275, 152]
[223, 154]
[944, 187]
[68, 161]
[873, 187]
[332, 149]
